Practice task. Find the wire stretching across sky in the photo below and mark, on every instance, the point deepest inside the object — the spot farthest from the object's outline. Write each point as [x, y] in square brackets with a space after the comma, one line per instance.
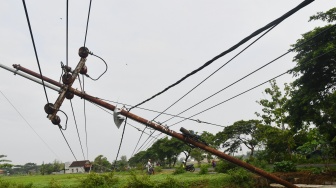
[257, 32]
[258, 69]
[290, 50]
[216, 71]
[246, 91]
[146, 109]
[80, 142]
[250, 89]
[202, 83]
[24, 119]
[36, 56]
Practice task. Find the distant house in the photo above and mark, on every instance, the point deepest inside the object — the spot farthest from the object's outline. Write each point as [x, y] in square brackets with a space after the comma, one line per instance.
[78, 167]
[2, 172]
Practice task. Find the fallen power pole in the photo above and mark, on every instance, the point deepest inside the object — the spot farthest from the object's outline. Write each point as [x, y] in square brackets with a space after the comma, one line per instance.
[163, 129]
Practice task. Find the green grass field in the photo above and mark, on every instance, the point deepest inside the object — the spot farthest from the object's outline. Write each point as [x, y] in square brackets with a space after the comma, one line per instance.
[123, 178]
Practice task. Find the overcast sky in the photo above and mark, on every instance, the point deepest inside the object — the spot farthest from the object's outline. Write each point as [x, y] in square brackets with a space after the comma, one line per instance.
[147, 45]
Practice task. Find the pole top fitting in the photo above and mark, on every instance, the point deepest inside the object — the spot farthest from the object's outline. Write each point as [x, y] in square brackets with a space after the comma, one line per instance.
[83, 52]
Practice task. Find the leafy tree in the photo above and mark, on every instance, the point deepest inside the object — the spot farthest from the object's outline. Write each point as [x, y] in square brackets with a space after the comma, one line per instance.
[101, 164]
[168, 149]
[122, 164]
[197, 154]
[273, 110]
[30, 168]
[313, 100]
[209, 138]
[241, 132]
[5, 162]
[138, 158]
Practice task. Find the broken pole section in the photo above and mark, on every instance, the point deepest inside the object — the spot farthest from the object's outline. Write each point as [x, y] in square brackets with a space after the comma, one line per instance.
[165, 130]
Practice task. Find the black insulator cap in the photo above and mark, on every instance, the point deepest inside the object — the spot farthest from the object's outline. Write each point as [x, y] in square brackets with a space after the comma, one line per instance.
[69, 95]
[83, 70]
[66, 78]
[49, 108]
[56, 120]
[83, 52]
[67, 68]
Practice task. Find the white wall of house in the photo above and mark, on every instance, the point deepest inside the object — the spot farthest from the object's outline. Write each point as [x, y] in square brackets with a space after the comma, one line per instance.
[76, 170]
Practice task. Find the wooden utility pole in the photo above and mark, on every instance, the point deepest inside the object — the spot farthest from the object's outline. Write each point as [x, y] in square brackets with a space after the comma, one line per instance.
[162, 129]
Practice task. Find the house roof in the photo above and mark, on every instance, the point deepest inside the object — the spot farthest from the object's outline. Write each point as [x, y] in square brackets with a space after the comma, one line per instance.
[79, 163]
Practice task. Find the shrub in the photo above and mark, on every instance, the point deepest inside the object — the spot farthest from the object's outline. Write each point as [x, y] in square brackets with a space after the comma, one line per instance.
[170, 182]
[284, 166]
[54, 184]
[179, 170]
[257, 163]
[240, 178]
[224, 166]
[158, 169]
[139, 182]
[98, 180]
[203, 170]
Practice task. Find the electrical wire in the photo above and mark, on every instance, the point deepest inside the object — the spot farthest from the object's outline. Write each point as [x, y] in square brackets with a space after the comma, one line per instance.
[80, 142]
[277, 58]
[68, 144]
[250, 89]
[122, 137]
[199, 121]
[67, 31]
[24, 119]
[246, 90]
[36, 56]
[87, 23]
[139, 140]
[106, 67]
[271, 24]
[146, 109]
[217, 70]
[86, 135]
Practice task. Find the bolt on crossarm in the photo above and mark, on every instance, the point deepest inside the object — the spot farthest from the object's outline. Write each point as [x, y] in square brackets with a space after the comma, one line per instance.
[166, 130]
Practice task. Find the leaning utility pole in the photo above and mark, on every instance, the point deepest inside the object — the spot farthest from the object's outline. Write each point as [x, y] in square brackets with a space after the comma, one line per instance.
[186, 137]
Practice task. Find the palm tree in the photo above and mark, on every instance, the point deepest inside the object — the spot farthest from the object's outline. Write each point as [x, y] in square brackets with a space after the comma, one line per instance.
[4, 160]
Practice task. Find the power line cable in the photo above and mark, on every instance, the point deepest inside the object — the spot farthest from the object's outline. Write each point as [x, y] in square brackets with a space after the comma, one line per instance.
[67, 31]
[36, 56]
[208, 78]
[68, 144]
[80, 142]
[86, 135]
[249, 89]
[106, 67]
[24, 119]
[277, 58]
[87, 23]
[146, 109]
[244, 91]
[217, 70]
[112, 115]
[139, 140]
[271, 24]
[122, 137]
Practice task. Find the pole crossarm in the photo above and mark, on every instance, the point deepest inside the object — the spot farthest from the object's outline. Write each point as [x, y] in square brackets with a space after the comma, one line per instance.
[61, 96]
[165, 130]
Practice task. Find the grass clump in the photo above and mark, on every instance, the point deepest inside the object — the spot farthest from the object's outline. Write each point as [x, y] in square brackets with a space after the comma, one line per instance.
[170, 182]
[7, 184]
[224, 166]
[240, 178]
[179, 170]
[284, 166]
[203, 170]
[99, 180]
[141, 181]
